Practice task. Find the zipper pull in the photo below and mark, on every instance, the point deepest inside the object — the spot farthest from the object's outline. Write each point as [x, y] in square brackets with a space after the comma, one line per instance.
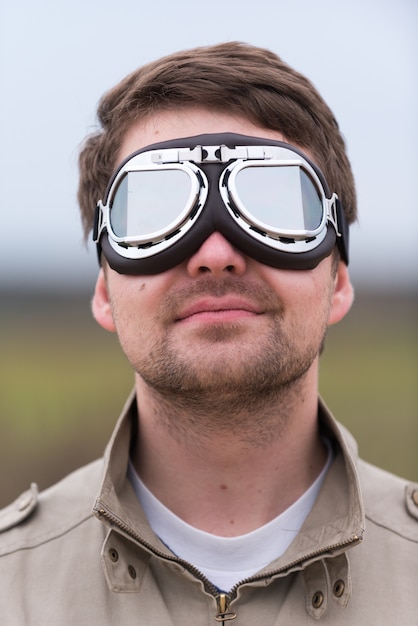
[224, 614]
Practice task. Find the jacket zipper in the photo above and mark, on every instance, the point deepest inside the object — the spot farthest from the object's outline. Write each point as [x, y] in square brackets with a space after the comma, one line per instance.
[222, 599]
[224, 614]
[102, 512]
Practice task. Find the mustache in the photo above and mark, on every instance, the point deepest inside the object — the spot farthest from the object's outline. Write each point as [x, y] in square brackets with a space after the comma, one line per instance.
[260, 294]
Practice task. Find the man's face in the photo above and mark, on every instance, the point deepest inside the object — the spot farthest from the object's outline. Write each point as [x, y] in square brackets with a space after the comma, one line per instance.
[219, 324]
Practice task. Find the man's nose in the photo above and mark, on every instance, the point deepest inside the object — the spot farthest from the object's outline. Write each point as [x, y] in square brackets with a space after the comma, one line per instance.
[217, 256]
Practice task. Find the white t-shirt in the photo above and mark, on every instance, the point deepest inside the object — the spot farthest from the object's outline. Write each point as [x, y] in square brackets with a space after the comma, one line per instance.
[225, 561]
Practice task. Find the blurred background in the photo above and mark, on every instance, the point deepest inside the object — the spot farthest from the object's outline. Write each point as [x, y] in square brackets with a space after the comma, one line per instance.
[62, 379]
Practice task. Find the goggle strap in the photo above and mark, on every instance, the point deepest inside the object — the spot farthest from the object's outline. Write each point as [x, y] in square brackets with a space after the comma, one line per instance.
[342, 231]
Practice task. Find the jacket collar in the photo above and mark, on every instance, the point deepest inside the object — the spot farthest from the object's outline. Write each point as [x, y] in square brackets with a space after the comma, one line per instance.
[335, 523]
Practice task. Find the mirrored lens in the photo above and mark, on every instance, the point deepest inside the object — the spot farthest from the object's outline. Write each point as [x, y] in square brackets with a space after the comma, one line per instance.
[280, 197]
[147, 202]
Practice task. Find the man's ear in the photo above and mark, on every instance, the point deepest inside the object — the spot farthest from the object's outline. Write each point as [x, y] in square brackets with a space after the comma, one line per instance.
[343, 295]
[100, 305]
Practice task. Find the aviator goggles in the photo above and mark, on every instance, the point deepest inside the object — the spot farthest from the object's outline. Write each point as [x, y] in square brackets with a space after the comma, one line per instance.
[265, 197]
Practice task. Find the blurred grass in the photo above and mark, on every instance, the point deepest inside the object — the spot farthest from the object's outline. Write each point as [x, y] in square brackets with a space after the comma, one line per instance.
[64, 381]
[369, 378]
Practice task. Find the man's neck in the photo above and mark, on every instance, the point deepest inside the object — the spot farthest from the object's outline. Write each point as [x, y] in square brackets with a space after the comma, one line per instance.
[229, 474]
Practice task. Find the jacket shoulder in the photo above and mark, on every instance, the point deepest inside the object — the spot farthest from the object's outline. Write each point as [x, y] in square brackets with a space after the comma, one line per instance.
[34, 518]
[390, 501]
[20, 509]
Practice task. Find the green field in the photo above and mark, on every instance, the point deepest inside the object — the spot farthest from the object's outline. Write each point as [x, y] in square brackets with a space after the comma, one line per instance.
[64, 380]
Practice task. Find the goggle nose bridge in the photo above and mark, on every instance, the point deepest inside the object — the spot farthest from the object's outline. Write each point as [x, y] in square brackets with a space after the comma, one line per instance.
[221, 154]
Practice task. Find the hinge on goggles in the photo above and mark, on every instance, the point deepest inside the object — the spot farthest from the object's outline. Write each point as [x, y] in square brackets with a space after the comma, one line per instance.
[333, 216]
[98, 224]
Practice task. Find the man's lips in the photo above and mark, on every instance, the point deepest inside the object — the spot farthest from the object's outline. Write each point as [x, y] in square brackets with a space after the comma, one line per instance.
[219, 309]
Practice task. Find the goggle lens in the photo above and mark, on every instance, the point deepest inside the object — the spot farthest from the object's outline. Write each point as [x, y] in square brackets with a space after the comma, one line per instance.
[279, 198]
[149, 202]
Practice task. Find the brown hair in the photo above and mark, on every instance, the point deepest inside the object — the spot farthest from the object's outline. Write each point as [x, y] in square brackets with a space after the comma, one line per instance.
[234, 77]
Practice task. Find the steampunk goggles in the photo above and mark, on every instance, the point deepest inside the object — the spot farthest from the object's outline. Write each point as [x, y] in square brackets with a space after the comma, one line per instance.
[266, 197]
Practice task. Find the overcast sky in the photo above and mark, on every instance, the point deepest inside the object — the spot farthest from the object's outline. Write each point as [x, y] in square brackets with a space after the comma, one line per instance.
[58, 57]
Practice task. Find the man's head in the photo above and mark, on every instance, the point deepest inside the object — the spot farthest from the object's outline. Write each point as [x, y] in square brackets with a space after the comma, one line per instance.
[234, 78]
[220, 323]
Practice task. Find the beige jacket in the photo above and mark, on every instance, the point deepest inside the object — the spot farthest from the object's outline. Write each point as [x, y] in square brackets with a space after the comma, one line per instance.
[354, 562]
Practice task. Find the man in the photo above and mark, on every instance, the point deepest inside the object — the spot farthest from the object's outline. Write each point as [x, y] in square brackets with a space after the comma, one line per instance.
[228, 491]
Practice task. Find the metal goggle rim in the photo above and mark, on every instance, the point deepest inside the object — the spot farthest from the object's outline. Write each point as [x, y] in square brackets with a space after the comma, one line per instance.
[184, 159]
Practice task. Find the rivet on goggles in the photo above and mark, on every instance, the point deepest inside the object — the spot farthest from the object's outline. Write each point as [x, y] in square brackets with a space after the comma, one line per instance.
[266, 197]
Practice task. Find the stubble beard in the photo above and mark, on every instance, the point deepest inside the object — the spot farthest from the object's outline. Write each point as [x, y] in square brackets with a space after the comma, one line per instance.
[250, 391]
